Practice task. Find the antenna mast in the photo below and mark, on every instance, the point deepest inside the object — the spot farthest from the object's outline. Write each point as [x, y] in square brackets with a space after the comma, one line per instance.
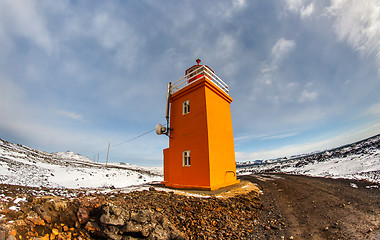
[159, 128]
[168, 95]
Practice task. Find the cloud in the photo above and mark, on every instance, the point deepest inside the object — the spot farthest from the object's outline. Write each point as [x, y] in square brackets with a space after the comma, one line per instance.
[71, 115]
[281, 49]
[374, 109]
[300, 7]
[354, 135]
[358, 23]
[265, 82]
[115, 34]
[308, 96]
[229, 9]
[249, 137]
[23, 19]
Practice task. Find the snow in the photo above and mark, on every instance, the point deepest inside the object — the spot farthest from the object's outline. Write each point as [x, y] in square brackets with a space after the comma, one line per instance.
[21, 165]
[17, 200]
[353, 185]
[357, 161]
[14, 208]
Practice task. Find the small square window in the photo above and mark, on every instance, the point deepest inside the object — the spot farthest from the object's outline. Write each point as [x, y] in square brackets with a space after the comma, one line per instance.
[186, 107]
[186, 158]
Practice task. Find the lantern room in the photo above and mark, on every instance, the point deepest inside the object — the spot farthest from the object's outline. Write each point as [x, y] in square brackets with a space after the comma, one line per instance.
[201, 153]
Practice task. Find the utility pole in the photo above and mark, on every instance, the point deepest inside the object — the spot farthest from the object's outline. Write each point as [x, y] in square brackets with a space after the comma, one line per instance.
[98, 158]
[108, 152]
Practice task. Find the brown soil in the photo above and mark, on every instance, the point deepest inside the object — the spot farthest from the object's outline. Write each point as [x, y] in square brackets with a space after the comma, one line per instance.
[291, 207]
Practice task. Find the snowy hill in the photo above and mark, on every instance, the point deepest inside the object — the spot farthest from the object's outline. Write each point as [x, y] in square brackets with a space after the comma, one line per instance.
[21, 165]
[360, 160]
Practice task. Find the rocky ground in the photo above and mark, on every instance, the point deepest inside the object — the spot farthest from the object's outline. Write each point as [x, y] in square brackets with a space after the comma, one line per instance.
[291, 207]
[31, 213]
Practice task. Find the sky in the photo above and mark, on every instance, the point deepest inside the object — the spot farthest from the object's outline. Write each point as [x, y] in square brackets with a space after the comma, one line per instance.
[77, 75]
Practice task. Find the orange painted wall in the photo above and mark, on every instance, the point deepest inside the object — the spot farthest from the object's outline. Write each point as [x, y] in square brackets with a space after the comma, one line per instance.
[221, 139]
[207, 132]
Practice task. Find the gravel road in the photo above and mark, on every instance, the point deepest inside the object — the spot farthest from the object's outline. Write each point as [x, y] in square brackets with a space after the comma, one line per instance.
[321, 208]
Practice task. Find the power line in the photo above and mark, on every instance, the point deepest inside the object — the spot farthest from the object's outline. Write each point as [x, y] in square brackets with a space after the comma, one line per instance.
[129, 140]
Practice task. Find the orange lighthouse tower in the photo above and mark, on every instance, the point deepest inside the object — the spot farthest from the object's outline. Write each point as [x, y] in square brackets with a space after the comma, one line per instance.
[201, 153]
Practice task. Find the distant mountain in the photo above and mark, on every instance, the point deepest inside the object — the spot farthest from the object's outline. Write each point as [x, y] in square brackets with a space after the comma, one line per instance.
[22, 165]
[360, 160]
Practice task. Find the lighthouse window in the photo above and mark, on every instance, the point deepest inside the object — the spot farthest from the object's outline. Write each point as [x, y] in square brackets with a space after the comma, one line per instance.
[186, 158]
[186, 107]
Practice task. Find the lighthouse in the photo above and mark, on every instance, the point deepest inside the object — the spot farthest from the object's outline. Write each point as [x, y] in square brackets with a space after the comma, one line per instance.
[201, 153]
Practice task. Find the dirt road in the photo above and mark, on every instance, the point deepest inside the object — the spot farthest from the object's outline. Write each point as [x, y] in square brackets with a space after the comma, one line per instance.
[321, 208]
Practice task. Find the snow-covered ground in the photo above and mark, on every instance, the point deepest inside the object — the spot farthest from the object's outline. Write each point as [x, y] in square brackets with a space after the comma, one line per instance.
[21, 165]
[356, 161]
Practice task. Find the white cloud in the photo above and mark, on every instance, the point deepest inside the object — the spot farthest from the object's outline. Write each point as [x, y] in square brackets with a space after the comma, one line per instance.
[239, 4]
[282, 48]
[374, 109]
[229, 9]
[11, 97]
[249, 137]
[279, 51]
[72, 115]
[274, 89]
[226, 45]
[21, 18]
[358, 23]
[308, 96]
[115, 34]
[307, 11]
[300, 7]
[354, 135]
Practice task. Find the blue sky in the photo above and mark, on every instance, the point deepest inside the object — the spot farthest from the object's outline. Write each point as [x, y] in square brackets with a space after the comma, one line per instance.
[76, 75]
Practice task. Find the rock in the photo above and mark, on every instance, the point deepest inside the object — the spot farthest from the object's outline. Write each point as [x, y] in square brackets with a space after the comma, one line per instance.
[159, 209]
[131, 227]
[119, 223]
[275, 227]
[113, 215]
[83, 215]
[40, 210]
[55, 231]
[33, 217]
[13, 232]
[92, 227]
[112, 232]
[141, 216]
[159, 233]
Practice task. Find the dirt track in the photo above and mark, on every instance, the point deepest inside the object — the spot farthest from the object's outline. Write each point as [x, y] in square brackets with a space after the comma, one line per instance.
[322, 208]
